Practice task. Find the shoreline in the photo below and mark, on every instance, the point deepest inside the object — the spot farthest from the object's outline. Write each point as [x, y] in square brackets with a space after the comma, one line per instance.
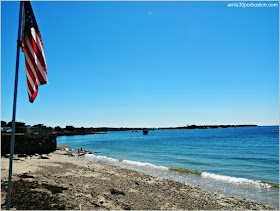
[57, 181]
[114, 161]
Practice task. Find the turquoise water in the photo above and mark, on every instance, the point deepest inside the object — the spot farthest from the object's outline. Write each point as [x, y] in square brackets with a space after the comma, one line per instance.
[232, 161]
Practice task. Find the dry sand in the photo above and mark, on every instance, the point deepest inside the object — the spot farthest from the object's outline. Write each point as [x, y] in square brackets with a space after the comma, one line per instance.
[58, 181]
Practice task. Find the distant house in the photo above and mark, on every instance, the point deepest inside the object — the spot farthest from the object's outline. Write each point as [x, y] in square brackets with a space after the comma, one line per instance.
[70, 128]
[39, 128]
[58, 129]
[3, 124]
[6, 129]
[20, 127]
[18, 124]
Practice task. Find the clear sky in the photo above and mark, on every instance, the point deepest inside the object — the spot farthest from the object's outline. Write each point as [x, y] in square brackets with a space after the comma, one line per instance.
[147, 64]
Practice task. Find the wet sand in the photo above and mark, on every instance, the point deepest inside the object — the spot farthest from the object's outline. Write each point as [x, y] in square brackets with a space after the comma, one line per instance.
[57, 181]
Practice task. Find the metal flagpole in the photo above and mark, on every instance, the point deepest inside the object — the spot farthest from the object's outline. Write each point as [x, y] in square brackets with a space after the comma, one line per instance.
[14, 110]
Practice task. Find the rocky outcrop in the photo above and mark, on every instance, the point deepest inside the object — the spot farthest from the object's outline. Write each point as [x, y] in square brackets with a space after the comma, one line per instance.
[28, 144]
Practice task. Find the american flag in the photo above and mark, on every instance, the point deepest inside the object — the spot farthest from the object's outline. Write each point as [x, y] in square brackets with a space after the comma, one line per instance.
[32, 46]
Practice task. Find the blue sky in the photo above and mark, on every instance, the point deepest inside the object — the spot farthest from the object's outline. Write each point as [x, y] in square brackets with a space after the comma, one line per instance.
[147, 64]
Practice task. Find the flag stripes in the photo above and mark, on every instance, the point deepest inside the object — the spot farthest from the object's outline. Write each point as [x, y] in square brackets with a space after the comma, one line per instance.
[38, 41]
[35, 62]
[33, 55]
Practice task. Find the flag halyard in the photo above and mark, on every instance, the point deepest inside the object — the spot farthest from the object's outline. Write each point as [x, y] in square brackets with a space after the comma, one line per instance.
[32, 46]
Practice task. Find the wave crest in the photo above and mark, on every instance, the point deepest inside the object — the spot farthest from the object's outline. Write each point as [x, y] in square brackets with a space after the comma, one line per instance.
[223, 178]
[237, 180]
[144, 164]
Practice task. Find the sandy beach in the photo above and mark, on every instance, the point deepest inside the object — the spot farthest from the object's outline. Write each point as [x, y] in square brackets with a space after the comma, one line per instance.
[58, 181]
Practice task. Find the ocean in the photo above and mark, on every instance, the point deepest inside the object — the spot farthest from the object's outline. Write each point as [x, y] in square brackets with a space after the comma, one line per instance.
[241, 161]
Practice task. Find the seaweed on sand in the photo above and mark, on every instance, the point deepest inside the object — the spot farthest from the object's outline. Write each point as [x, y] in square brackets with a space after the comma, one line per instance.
[186, 171]
[27, 195]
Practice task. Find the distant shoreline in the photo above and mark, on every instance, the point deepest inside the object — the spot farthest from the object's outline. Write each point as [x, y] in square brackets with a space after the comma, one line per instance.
[71, 131]
[103, 130]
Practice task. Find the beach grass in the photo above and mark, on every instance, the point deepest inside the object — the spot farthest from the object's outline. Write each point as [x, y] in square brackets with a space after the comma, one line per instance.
[186, 171]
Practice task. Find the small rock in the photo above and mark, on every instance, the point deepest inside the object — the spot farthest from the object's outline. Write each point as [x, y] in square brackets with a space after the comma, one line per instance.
[116, 192]
[25, 176]
[127, 207]
[97, 205]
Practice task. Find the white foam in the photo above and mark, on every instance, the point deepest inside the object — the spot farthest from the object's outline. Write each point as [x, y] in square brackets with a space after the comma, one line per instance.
[234, 179]
[144, 164]
[89, 155]
[102, 157]
[223, 178]
[130, 162]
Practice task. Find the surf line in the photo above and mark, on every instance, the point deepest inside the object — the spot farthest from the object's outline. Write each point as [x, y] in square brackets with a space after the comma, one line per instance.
[222, 178]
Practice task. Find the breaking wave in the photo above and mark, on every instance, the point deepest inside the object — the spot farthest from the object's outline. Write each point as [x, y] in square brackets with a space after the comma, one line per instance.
[229, 179]
[135, 163]
[149, 165]
[223, 178]
[104, 158]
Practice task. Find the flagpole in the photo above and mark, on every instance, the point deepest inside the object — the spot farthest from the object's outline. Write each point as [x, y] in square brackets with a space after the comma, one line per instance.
[14, 109]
